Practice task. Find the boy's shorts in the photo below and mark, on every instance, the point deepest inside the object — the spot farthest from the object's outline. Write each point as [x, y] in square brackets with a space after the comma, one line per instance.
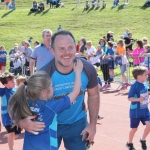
[15, 129]
[111, 64]
[123, 68]
[134, 122]
[2, 64]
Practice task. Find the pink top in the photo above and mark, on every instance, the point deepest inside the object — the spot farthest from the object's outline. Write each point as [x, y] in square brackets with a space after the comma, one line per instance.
[136, 52]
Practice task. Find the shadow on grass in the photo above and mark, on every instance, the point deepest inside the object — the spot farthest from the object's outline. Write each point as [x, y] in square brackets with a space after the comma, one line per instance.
[121, 7]
[97, 8]
[44, 12]
[90, 9]
[143, 7]
[74, 8]
[30, 12]
[101, 9]
[6, 14]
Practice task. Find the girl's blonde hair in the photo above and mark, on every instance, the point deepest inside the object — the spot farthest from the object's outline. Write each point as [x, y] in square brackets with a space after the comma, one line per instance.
[147, 47]
[20, 79]
[18, 106]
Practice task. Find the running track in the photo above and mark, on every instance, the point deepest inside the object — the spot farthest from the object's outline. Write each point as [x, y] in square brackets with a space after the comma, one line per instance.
[112, 131]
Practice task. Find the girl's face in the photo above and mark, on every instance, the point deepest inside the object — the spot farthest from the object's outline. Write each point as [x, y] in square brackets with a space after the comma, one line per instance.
[102, 42]
[144, 41]
[137, 45]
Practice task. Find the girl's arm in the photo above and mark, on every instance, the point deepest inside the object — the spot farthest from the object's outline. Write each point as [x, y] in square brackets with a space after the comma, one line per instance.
[78, 66]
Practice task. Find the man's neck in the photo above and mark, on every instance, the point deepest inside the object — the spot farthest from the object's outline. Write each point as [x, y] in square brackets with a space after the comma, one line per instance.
[63, 69]
[47, 44]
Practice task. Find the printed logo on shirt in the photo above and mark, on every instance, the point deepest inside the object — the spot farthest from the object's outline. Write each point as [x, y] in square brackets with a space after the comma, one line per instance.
[146, 100]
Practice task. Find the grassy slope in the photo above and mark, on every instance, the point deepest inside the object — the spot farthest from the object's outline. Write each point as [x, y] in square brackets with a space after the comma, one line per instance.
[93, 24]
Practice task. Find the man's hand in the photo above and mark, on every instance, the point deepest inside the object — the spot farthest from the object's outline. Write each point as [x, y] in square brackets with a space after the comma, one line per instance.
[91, 129]
[31, 126]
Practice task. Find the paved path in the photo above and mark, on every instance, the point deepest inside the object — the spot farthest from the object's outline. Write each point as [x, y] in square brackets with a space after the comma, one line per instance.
[112, 131]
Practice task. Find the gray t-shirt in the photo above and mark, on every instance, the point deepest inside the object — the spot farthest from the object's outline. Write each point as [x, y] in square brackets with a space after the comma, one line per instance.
[42, 55]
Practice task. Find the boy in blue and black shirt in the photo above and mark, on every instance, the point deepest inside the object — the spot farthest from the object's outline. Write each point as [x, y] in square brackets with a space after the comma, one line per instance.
[6, 91]
[138, 95]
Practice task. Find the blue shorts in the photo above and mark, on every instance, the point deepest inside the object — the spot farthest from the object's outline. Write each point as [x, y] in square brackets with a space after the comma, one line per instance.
[111, 64]
[70, 133]
[134, 122]
[123, 68]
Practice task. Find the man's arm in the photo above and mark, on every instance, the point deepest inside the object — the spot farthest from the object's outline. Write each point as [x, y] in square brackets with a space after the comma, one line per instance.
[93, 106]
[32, 64]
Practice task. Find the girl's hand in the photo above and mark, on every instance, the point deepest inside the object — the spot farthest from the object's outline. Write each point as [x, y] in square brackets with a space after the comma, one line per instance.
[78, 66]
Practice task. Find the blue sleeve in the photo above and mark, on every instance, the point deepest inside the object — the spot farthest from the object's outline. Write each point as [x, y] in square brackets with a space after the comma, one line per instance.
[2, 91]
[107, 52]
[59, 105]
[132, 91]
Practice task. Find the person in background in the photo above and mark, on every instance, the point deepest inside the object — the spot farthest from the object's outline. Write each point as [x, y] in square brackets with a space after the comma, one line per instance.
[27, 53]
[110, 56]
[121, 54]
[126, 33]
[83, 48]
[95, 59]
[3, 55]
[87, 5]
[91, 50]
[34, 7]
[98, 3]
[137, 60]
[13, 2]
[6, 91]
[78, 47]
[129, 41]
[7, 3]
[145, 40]
[59, 28]
[139, 112]
[20, 80]
[104, 64]
[30, 40]
[42, 53]
[36, 43]
[41, 6]
[104, 4]
[109, 35]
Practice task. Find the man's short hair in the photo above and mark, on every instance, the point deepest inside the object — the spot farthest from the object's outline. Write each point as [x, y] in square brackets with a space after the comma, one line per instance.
[138, 70]
[5, 77]
[61, 32]
[37, 42]
[46, 31]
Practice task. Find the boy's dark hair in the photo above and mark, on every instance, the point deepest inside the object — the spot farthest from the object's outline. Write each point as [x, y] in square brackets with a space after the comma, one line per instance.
[61, 32]
[37, 42]
[5, 77]
[110, 43]
[138, 70]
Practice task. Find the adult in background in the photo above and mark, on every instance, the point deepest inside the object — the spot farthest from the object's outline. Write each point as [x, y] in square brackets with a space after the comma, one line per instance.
[72, 123]
[110, 34]
[145, 40]
[27, 53]
[12, 52]
[42, 53]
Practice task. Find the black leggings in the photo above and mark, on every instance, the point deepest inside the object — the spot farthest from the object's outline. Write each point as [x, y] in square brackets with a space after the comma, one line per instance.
[105, 71]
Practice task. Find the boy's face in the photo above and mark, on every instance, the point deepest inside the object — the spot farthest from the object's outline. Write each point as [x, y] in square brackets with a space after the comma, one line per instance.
[144, 76]
[10, 84]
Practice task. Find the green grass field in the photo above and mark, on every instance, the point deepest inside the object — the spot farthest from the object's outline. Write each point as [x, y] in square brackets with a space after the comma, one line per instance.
[20, 24]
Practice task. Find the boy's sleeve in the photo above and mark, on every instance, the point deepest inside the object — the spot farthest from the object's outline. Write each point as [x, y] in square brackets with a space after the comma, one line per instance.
[2, 91]
[59, 105]
[131, 92]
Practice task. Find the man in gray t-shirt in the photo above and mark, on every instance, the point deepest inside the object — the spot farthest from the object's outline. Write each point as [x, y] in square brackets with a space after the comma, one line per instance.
[42, 53]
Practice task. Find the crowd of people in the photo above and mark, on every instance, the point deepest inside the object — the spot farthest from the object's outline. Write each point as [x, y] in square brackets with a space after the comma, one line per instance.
[57, 68]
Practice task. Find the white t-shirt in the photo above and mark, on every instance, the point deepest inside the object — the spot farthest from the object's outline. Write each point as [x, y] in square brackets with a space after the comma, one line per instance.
[91, 50]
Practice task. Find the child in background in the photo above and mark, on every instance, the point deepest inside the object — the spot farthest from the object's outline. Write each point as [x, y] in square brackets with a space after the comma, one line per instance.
[3, 55]
[31, 98]
[19, 80]
[121, 53]
[110, 56]
[136, 53]
[139, 97]
[104, 4]
[6, 91]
